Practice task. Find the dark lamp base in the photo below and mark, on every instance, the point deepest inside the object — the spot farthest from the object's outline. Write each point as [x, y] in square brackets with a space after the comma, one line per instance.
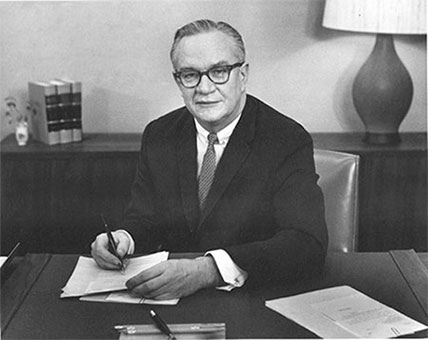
[382, 138]
[382, 93]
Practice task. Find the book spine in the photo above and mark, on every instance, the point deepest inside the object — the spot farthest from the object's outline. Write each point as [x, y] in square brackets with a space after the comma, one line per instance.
[63, 92]
[52, 114]
[76, 104]
[44, 119]
[68, 116]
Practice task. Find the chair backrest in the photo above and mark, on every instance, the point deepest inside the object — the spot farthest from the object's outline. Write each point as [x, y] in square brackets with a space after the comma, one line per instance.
[338, 180]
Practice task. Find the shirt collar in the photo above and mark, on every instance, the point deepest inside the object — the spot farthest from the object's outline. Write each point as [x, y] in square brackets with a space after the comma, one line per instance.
[222, 135]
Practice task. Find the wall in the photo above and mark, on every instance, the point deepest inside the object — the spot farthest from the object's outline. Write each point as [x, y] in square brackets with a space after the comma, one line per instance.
[119, 50]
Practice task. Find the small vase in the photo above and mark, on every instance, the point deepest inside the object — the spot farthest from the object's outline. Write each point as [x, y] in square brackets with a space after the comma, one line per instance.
[21, 133]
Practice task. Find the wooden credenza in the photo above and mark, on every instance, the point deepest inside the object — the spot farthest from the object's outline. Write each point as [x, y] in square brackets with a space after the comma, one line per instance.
[52, 196]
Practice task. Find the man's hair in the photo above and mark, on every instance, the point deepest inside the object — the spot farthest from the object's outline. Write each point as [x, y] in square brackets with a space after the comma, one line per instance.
[205, 26]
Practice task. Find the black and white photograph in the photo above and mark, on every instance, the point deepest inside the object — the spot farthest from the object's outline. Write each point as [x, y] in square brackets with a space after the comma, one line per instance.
[213, 169]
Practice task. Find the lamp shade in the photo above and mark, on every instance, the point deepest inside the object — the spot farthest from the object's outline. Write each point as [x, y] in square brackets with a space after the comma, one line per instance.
[376, 16]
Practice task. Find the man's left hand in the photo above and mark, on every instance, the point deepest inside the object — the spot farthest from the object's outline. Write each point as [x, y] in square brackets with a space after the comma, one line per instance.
[174, 279]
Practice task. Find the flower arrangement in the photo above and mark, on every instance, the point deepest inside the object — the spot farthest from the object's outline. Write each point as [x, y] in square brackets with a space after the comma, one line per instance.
[20, 120]
[12, 113]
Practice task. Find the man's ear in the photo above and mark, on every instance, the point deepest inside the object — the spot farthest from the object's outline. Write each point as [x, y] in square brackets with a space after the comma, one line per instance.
[178, 85]
[244, 73]
[175, 79]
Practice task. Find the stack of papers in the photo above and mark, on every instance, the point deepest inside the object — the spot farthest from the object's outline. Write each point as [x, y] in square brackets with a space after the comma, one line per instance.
[2, 260]
[88, 280]
[5, 260]
[343, 312]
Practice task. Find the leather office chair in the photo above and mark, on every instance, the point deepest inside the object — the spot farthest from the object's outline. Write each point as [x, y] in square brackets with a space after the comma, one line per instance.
[338, 180]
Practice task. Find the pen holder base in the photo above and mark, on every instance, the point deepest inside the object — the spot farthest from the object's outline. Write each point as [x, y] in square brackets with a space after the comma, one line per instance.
[180, 331]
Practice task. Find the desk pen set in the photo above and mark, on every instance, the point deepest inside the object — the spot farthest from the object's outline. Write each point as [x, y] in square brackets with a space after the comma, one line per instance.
[180, 331]
[160, 330]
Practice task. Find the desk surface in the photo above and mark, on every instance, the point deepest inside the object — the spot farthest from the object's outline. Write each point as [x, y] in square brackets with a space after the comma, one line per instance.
[39, 313]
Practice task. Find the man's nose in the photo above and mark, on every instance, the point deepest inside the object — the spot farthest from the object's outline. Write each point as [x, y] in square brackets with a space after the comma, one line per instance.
[205, 85]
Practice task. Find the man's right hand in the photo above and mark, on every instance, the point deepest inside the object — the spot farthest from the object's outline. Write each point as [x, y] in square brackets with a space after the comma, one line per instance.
[103, 257]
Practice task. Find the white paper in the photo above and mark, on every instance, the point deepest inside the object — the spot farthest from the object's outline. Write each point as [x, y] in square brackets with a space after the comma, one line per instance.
[125, 297]
[343, 312]
[88, 278]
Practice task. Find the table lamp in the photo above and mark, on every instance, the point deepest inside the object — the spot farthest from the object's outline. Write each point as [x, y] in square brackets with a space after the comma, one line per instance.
[382, 90]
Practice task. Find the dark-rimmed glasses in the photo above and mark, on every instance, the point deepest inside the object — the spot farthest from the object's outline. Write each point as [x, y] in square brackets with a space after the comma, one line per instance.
[218, 75]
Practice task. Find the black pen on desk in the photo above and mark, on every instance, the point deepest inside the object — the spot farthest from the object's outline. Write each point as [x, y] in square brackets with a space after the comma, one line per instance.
[161, 325]
[112, 244]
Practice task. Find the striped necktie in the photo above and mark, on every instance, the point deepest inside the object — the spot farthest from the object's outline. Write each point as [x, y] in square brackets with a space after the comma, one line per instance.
[208, 169]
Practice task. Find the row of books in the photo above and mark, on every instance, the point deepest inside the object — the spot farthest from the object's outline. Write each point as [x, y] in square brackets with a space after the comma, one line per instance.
[56, 111]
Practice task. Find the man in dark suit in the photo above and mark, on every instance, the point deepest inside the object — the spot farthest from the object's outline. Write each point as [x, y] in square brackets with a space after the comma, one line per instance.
[226, 175]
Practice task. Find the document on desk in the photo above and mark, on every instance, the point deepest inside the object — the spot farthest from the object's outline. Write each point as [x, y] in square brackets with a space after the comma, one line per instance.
[6, 260]
[343, 312]
[125, 297]
[88, 279]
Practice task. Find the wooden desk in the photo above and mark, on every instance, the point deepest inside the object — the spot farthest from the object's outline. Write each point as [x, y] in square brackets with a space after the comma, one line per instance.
[51, 196]
[37, 312]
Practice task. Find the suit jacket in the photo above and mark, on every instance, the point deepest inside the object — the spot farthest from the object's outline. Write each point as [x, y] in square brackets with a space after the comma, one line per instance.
[264, 207]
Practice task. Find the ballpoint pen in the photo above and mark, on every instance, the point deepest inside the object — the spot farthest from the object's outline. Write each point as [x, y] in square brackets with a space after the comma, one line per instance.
[112, 244]
[163, 327]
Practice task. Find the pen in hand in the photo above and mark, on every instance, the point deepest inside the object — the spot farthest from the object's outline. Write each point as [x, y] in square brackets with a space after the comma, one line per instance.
[163, 327]
[112, 244]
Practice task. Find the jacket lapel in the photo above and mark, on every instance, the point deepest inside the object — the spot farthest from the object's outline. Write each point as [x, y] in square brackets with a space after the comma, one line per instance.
[234, 155]
[187, 169]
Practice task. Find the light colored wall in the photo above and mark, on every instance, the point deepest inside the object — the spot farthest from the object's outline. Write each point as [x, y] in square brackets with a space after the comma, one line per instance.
[119, 50]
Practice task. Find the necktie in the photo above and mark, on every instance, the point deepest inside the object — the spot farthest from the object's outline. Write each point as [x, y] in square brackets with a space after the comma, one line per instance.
[208, 169]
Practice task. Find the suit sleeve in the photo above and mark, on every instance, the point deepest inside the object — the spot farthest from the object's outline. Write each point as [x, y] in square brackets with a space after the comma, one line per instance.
[141, 217]
[299, 244]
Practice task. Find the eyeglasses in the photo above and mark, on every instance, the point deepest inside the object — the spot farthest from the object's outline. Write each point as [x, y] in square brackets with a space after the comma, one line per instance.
[217, 74]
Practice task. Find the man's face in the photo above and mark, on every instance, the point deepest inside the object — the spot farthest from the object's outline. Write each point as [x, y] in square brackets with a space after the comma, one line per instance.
[214, 106]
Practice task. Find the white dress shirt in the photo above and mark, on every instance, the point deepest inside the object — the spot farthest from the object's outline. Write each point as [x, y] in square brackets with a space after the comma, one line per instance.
[231, 274]
[229, 270]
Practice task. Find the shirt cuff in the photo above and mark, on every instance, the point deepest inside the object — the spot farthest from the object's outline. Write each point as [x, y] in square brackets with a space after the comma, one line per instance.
[229, 270]
[131, 248]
